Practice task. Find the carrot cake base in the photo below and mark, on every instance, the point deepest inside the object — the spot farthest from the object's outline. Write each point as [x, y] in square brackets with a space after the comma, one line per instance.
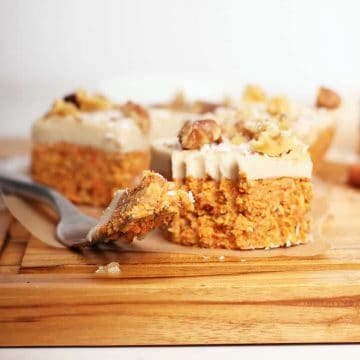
[244, 214]
[84, 174]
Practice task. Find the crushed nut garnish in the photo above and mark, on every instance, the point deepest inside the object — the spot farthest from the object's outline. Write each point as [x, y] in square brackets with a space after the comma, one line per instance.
[279, 105]
[253, 93]
[78, 101]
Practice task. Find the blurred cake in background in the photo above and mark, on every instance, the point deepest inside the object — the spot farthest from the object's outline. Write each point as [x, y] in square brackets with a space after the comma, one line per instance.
[87, 147]
[315, 124]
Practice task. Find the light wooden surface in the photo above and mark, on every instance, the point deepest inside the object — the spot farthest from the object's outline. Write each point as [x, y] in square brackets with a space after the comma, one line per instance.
[52, 296]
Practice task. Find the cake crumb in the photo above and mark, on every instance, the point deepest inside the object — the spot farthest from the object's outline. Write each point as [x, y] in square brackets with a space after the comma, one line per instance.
[112, 268]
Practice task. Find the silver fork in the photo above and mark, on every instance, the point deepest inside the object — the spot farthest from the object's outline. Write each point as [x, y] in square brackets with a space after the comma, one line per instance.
[73, 225]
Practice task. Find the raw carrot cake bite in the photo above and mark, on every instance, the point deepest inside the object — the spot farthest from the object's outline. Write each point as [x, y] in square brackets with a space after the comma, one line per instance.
[133, 213]
[314, 124]
[87, 147]
[252, 194]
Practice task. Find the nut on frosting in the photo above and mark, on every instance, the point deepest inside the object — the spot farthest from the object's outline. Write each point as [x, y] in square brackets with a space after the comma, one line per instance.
[272, 141]
[327, 98]
[253, 93]
[278, 105]
[194, 134]
[78, 101]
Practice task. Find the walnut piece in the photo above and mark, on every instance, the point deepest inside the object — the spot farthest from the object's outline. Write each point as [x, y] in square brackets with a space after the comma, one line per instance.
[278, 105]
[354, 175]
[139, 114]
[62, 108]
[78, 101]
[253, 93]
[243, 130]
[327, 98]
[273, 144]
[194, 134]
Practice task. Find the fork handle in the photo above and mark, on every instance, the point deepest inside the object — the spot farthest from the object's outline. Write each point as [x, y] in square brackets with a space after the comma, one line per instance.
[32, 190]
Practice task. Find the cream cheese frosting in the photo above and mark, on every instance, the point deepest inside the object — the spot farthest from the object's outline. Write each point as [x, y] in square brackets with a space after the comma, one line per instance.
[228, 161]
[107, 130]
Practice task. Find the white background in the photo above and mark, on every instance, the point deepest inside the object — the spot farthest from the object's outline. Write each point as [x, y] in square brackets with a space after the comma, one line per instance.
[146, 49]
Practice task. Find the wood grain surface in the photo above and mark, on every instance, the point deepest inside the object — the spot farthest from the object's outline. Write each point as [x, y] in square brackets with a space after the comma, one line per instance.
[53, 297]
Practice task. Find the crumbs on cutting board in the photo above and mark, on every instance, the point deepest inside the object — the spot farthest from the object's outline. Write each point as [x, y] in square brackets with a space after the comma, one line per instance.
[112, 268]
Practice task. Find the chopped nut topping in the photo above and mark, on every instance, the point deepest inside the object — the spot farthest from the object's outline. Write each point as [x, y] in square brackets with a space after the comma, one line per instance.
[273, 143]
[91, 102]
[79, 101]
[71, 98]
[62, 108]
[327, 98]
[278, 105]
[238, 139]
[243, 130]
[139, 114]
[253, 93]
[195, 134]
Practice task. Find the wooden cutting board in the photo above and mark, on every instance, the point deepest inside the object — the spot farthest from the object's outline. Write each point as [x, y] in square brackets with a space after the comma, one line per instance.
[52, 296]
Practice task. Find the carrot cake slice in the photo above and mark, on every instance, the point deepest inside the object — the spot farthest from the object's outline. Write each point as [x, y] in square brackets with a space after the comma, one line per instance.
[133, 213]
[87, 147]
[255, 194]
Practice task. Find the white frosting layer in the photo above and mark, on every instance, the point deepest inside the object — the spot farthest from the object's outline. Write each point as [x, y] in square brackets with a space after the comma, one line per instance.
[161, 150]
[228, 161]
[167, 123]
[107, 130]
